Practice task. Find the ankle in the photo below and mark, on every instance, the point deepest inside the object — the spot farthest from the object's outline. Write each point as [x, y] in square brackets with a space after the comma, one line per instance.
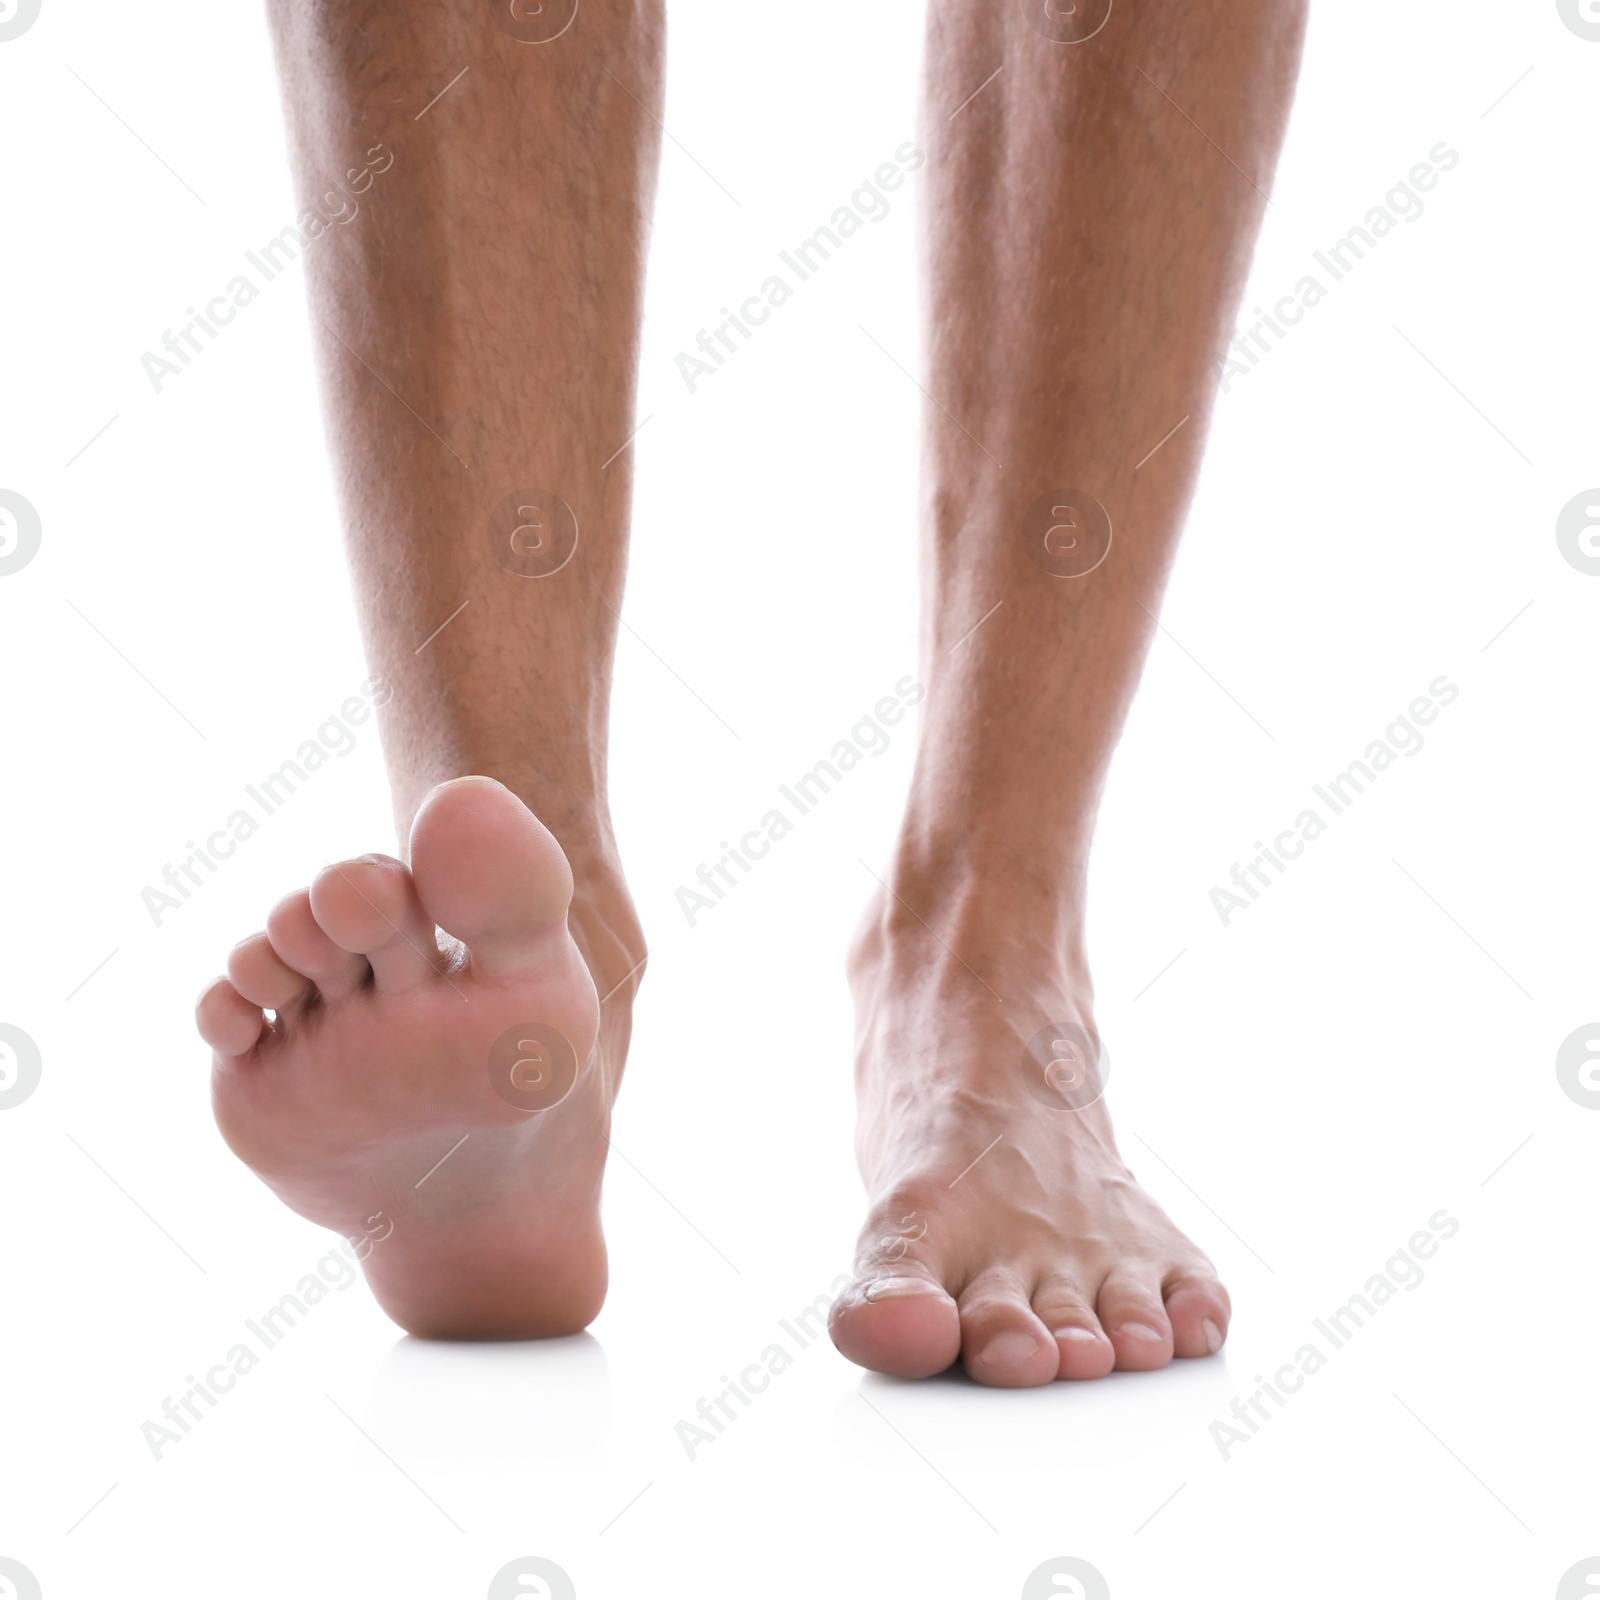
[964, 917]
[604, 921]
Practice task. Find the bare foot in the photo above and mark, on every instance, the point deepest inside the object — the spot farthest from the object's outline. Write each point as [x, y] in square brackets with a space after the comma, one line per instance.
[462, 1090]
[1003, 1228]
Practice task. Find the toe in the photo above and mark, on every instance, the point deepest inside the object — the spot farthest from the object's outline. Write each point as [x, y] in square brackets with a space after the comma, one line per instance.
[1002, 1342]
[302, 946]
[260, 975]
[369, 906]
[1199, 1311]
[1130, 1310]
[490, 873]
[1066, 1311]
[902, 1324]
[226, 1020]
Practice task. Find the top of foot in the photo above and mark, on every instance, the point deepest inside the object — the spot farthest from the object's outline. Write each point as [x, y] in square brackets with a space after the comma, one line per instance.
[1003, 1231]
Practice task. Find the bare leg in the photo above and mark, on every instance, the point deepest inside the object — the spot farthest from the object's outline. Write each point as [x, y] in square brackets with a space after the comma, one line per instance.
[478, 325]
[1087, 246]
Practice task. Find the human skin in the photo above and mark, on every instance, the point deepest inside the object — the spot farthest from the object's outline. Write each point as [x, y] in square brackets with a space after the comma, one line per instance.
[1088, 230]
[477, 330]
[1086, 244]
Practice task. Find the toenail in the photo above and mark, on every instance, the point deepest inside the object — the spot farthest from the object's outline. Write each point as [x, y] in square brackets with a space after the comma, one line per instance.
[1213, 1336]
[1008, 1351]
[888, 1288]
[1075, 1333]
[1141, 1330]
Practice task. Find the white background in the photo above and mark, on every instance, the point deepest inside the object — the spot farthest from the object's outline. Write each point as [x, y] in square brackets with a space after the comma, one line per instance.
[1303, 1089]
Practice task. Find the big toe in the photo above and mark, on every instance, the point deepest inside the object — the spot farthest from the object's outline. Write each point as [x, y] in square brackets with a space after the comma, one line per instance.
[489, 873]
[906, 1326]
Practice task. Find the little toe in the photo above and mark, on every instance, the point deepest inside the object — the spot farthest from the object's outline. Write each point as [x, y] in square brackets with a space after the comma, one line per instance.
[258, 972]
[302, 946]
[1199, 1311]
[1003, 1342]
[1131, 1312]
[1084, 1349]
[369, 906]
[898, 1322]
[226, 1020]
